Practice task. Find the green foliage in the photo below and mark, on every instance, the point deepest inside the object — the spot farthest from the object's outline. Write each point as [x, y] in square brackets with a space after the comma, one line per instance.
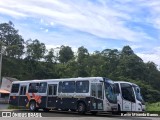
[11, 40]
[127, 51]
[65, 54]
[82, 54]
[14, 107]
[50, 57]
[153, 107]
[122, 65]
[35, 50]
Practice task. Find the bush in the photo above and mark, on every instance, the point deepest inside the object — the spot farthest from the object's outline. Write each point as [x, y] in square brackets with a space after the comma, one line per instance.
[13, 107]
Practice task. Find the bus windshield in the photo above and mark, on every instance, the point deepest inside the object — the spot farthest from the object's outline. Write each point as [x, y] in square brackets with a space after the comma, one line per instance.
[138, 93]
[109, 91]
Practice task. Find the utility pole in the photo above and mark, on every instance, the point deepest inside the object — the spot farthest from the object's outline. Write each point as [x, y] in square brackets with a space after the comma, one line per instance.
[1, 66]
[1, 55]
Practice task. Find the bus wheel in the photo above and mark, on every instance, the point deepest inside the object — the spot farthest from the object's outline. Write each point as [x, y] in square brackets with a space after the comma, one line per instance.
[81, 108]
[32, 106]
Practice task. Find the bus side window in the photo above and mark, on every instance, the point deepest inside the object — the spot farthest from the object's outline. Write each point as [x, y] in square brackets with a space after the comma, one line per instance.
[52, 90]
[60, 87]
[116, 86]
[68, 87]
[42, 87]
[93, 90]
[23, 90]
[99, 90]
[15, 88]
[55, 90]
[82, 86]
[33, 87]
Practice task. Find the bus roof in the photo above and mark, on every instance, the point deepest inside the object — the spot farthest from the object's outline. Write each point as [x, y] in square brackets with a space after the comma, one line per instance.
[125, 82]
[62, 79]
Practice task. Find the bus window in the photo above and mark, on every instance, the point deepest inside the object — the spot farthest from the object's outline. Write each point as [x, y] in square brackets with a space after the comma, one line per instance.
[127, 92]
[68, 87]
[116, 87]
[42, 87]
[33, 87]
[138, 93]
[82, 86]
[60, 87]
[99, 89]
[50, 90]
[23, 90]
[55, 90]
[15, 88]
[109, 92]
[93, 90]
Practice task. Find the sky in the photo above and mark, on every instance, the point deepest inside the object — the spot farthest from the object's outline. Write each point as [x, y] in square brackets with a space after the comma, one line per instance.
[94, 24]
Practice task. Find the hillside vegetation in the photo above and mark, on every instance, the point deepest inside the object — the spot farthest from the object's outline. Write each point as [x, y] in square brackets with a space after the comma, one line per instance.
[29, 59]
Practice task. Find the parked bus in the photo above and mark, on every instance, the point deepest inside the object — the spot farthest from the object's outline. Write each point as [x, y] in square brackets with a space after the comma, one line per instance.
[88, 94]
[129, 97]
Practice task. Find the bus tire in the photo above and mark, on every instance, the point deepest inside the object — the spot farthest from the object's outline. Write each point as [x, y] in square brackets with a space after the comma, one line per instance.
[32, 106]
[81, 108]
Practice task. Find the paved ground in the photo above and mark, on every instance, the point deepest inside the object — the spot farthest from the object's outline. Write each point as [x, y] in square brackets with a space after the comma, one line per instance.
[61, 115]
[3, 106]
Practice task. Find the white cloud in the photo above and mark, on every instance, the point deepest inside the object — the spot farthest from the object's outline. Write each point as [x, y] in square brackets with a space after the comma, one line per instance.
[100, 20]
[52, 23]
[152, 55]
[154, 11]
[12, 13]
[46, 30]
[104, 20]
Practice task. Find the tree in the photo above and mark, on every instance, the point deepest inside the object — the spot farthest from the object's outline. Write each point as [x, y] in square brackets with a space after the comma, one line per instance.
[13, 42]
[127, 51]
[131, 66]
[82, 53]
[65, 54]
[111, 57]
[50, 57]
[35, 50]
[82, 62]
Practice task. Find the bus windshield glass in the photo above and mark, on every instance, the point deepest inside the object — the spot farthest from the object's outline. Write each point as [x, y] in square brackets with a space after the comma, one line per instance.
[138, 93]
[109, 91]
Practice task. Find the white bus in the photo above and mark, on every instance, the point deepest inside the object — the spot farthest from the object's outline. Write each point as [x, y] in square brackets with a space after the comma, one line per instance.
[88, 94]
[129, 97]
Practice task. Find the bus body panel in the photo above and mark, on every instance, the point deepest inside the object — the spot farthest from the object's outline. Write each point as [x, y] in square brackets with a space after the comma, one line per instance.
[125, 104]
[53, 98]
[14, 100]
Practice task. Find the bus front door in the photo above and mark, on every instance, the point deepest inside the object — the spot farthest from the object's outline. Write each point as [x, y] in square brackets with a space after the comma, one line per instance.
[52, 95]
[97, 96]
[128, 98]
[22, 96]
